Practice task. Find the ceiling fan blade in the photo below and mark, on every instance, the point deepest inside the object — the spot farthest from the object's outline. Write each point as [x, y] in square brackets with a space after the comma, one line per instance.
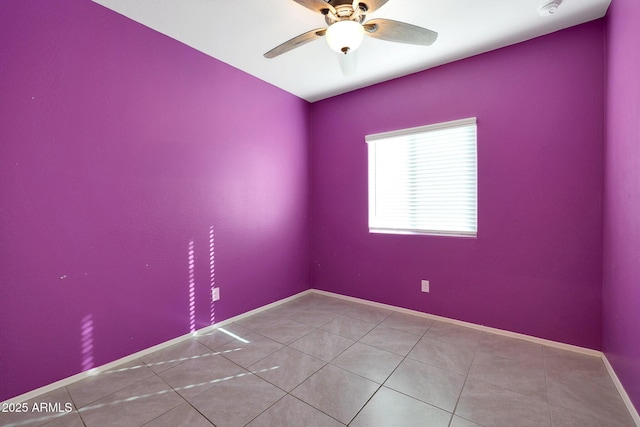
[400, 32]
[348, 63]
[316, 5]
[373, 4]
[295, 42]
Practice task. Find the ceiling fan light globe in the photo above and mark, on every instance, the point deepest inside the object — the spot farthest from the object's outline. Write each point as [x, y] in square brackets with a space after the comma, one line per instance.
[345, 36]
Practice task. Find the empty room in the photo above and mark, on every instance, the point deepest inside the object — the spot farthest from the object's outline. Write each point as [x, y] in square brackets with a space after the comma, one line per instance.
[320, 213]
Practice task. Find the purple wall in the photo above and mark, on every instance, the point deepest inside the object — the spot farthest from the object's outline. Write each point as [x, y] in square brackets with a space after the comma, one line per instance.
[119, 147]
[621, 285]
[536, 266]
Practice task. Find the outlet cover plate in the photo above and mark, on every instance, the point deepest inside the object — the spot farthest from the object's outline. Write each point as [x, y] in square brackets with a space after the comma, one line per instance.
[215, 294]
[425, 286]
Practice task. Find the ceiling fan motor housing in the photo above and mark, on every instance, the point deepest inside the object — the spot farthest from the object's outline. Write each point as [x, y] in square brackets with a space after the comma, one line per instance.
[344, 11]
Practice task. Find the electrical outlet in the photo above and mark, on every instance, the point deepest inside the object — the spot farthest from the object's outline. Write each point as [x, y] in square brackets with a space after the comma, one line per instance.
[215, 294]
[425, 286]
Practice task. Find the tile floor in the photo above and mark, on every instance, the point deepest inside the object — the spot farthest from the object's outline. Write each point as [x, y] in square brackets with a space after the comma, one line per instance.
[321, 361]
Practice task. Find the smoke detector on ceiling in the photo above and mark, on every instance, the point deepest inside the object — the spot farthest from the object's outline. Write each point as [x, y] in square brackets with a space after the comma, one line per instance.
[549, 8]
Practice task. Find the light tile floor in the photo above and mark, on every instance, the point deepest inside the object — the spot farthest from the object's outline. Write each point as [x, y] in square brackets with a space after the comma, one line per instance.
[321, 361]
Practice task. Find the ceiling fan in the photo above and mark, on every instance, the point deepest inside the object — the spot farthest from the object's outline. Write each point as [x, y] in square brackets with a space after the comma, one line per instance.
[346, 29]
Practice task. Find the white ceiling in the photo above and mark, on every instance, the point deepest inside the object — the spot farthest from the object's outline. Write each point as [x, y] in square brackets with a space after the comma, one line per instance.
[239, 32]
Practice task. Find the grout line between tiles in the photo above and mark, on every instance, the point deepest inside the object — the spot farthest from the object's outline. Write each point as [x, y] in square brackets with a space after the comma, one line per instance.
[317, 409]
[466, 378]
[393, 371]
[546, 384]
[181, 397]
[92, 405]
[365, 403]
[267, 408]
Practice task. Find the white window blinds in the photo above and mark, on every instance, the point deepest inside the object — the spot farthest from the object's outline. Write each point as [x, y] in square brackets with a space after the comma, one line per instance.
[424, 180]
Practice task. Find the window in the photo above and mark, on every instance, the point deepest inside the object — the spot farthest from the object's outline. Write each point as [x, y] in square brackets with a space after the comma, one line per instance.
[423, 180]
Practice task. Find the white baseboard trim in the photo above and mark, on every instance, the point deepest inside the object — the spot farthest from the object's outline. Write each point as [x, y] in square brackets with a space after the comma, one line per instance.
[111, 365]
[482, 328]
[623, 393]
[587, 351]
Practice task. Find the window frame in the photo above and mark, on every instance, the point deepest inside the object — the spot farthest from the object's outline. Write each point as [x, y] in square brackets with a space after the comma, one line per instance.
[409, 132]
